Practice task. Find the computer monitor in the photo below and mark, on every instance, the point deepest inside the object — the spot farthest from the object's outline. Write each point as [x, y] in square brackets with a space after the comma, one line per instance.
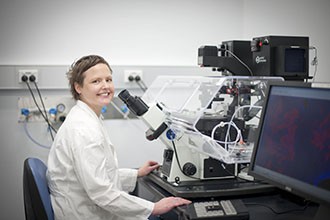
[292, 149]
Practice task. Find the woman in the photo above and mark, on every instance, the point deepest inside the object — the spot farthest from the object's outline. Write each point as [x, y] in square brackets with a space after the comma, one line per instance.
[83, 174]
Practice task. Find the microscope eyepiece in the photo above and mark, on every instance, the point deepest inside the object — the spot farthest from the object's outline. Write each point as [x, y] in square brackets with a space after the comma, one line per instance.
[135, 104]
[124, 95]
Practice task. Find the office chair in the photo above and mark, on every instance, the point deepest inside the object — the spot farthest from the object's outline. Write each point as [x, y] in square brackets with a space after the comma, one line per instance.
[37, 202]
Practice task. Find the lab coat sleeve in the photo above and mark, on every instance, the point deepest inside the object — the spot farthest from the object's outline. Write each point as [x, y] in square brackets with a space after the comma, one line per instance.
[97, 171]
[128, 179]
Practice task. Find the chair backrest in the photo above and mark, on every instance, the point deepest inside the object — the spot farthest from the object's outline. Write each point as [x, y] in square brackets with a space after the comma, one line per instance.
[37, 202]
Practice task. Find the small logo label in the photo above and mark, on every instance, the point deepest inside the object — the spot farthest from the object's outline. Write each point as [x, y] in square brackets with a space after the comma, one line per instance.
[260, 60]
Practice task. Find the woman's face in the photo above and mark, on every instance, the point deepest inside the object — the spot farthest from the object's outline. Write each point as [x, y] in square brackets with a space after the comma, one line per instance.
[97, 89]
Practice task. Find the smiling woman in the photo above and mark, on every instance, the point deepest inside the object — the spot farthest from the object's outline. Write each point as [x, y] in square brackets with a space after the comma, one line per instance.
[97, 89]
[83, 174]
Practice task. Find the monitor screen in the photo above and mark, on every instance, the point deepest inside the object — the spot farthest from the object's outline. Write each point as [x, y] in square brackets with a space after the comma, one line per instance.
[292, 149]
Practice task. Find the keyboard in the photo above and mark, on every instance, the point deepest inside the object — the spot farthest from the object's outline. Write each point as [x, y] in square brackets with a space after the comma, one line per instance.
[217, 209]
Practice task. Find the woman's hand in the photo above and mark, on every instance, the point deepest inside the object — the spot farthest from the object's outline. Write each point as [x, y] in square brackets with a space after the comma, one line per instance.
[147, 168]
[166, 204]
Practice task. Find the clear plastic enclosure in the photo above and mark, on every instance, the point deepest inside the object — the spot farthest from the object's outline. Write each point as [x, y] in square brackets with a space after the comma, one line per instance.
[216, 116]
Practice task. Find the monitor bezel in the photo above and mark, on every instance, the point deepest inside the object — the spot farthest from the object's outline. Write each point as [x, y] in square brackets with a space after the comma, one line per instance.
[281, 180]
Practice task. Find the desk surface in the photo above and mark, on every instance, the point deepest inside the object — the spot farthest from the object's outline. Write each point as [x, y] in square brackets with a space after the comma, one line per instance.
[274, 205]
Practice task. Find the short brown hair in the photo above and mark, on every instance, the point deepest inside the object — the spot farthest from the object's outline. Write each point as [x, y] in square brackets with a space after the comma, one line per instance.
[78, 68]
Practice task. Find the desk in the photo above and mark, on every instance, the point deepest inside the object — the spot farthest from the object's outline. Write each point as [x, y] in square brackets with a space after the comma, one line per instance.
[258, 204]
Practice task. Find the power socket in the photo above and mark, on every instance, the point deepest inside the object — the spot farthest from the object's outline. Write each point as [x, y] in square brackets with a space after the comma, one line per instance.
[28, 73]
[132, 74]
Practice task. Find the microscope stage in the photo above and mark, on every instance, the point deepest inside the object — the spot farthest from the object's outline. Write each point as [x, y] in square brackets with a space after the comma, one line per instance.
[211, 188]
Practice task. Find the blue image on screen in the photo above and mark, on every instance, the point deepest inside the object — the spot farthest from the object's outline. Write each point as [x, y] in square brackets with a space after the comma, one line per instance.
[296, 137]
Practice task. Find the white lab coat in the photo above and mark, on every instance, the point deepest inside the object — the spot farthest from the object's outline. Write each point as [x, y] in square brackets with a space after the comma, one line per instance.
[83, 175]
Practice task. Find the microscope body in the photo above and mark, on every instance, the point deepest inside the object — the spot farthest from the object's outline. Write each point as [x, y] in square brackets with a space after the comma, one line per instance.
[205, 123]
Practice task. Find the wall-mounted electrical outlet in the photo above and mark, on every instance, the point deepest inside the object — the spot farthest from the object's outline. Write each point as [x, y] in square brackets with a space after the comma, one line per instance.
[130, 75]
[28, 73]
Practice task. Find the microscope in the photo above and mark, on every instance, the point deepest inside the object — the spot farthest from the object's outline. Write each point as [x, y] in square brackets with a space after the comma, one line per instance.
[206, 123]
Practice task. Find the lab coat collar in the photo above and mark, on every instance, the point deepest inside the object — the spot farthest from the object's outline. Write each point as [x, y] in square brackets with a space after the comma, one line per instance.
[90, 111]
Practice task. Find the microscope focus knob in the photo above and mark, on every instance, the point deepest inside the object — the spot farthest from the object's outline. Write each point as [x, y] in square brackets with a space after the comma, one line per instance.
[189, 169]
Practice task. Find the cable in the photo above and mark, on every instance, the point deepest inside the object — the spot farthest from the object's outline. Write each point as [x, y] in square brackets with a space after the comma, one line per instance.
[43, 105]
[222, 124]
[37, 105]
[143, 84]
[141, 87]
[140, 83]
[232, 118]
[239, 137]
[314, 61]
[41, 100]
[35, 101]
[31, 138]
[239, 60]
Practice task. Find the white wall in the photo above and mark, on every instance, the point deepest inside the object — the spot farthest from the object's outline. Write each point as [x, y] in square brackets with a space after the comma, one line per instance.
[147, 32]
[128, 33]
[292, 17]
